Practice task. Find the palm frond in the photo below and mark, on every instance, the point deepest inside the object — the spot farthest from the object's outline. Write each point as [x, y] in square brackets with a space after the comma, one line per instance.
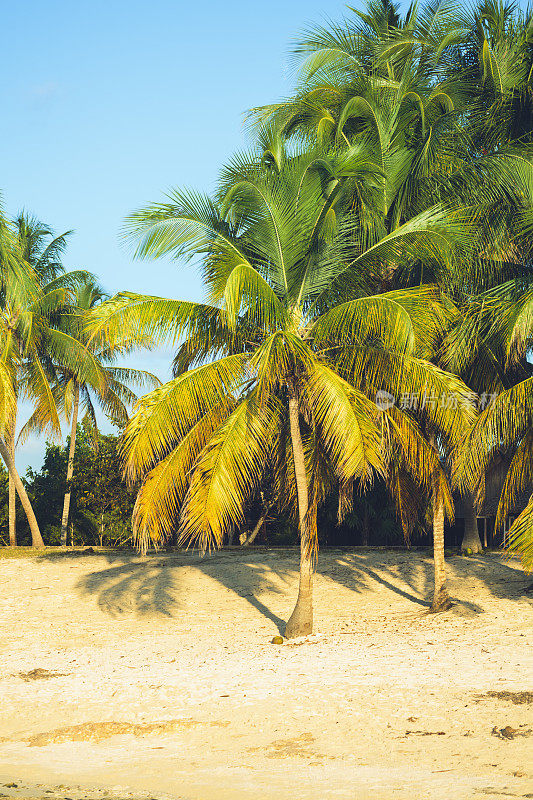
[228, 472]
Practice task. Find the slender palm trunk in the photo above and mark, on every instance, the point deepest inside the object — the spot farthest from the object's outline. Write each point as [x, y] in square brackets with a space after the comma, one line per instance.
[248, 540]
[471, 540]
[70, 466]
[441, 600]
[365, 530]
[36, 538]
[12, 510]
[301, 619]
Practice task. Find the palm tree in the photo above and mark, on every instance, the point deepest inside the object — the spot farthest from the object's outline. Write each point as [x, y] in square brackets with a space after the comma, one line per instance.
[444, 98]
[383, 80]
[22, 325]
[42, 251]
[108, 385]
[373, 55]
[277, 374]
[496, 61]
[31, 347]
[505, 425]
[476, 350]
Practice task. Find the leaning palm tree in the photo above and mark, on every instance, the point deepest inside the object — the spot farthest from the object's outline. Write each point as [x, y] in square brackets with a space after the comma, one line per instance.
[276, 373]
[108, 386]
[23, 325]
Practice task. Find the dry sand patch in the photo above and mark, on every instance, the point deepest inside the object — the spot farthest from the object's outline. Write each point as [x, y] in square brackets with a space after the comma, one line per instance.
[157, 676]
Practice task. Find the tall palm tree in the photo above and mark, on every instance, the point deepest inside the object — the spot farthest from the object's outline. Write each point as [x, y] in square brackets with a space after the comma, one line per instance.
[73, 392]
[505, 315]
[416, 90]
[42, 251]
[277, 373]
[381, 80]
[30, 345]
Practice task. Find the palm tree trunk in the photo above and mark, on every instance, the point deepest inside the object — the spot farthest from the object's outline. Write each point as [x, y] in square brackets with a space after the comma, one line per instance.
[471, 540]
[301, 619]
[441, 600]
[365, 530]
[248, 540]
[36, 538]
[12, 505]
[70, 466]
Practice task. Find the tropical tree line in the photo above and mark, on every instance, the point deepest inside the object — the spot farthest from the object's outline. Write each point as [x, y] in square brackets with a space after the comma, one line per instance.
[49, 363]
[367, 275]
[101, 503]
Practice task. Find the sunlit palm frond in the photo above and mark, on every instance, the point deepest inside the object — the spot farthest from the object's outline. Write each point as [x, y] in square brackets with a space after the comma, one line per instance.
[503, 424]
[132, 317]
[246, 289]
[519, 479]
[164, 416]
[282, 354]
[347, 422]
[520, 537]
[227, 473]
[156, 513]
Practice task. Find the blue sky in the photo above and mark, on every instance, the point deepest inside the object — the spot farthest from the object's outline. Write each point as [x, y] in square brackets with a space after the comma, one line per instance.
[105, 105]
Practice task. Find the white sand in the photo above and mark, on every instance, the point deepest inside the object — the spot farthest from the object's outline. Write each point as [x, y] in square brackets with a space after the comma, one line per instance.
[177, 640]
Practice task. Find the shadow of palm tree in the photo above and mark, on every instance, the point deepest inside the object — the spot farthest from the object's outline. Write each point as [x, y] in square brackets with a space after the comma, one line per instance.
[415, 570]
[153, 585]
[357, 574]
[145, 588]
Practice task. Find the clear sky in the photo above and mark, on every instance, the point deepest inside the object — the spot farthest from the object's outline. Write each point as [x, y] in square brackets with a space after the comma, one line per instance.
[105, 105]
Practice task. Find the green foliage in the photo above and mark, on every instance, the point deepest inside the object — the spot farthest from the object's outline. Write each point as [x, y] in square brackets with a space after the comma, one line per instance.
[377, 237]
[102, 504]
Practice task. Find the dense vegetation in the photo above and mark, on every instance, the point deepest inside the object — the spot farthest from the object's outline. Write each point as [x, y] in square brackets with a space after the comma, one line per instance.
[369, 311]
[102, 503]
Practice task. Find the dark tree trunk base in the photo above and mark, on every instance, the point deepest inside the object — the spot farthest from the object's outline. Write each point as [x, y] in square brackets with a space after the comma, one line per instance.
[440, 603]
[301, 619]
[473, 545]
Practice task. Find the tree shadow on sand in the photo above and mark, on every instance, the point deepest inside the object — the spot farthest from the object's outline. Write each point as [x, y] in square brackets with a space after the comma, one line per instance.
[153, 585]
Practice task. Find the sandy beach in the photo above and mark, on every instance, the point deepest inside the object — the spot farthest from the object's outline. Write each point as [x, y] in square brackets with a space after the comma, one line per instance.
[156, 678]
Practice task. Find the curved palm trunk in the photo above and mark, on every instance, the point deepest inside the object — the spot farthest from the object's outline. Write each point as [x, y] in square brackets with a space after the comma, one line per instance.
[471, 540]
[248, 540]
[70, 466]
[441, 600]
[12, 510]
[301, 619]
[36, 538]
